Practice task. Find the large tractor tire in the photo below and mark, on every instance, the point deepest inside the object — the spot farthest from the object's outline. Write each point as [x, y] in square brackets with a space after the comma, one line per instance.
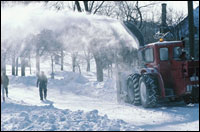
[148, 90]
[133, 90]
[190, 99]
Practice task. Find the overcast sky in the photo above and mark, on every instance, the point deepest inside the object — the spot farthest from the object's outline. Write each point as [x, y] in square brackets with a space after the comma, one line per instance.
[180, 5]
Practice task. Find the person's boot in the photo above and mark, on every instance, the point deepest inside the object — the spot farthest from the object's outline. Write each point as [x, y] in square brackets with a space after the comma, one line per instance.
[3, 99]
[45, 94]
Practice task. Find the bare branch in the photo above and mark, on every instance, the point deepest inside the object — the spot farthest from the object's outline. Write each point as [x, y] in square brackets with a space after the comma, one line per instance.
[86, 5]
[98, 7]
[91, 7]
[78, 5]
[151, 4]
[140, 14]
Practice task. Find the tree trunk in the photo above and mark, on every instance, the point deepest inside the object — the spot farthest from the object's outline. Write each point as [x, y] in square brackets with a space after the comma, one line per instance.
[73, 63]
[86, 5]
[78, 6]
[13, 65]
[3, 65]
[17, 63]
[30, 65]
[108, 71]
[99, 69]
[79, 68]
[37, 63]
[118, 84]
[88, 65]
[22, 66]
[111, 71]
[52, 72]
[62, 58]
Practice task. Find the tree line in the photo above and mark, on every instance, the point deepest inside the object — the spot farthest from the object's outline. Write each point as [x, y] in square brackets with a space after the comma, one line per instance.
[48, 43]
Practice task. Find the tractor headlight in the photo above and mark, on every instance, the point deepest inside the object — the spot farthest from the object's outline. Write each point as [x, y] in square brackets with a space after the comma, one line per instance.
[194, 78]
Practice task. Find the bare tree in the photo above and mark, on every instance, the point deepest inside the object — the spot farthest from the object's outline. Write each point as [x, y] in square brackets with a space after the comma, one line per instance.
[78, 6]
[87, 56]
[89, 6]
[174, 17]
[173, 20]
[132, 11]
[108, 9]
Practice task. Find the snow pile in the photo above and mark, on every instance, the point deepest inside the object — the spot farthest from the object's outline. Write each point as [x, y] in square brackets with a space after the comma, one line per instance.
[83, 106]
[47, 118]
[105, 90]
[76, 83]
[82, 85]
[72, 77]
[27, 81]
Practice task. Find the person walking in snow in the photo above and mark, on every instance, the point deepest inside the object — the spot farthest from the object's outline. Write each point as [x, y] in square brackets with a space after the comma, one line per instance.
[42, 83]
[2, 90]
[5, 83]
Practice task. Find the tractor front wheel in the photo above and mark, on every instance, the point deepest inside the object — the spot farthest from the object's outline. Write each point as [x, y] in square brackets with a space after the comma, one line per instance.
[133, 91]
[148, 90]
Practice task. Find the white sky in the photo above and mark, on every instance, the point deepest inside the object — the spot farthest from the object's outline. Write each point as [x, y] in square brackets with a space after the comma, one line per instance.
[176, 5]
[180, 5]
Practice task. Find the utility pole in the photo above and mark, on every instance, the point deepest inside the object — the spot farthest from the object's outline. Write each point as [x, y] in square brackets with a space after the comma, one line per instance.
[191, 28]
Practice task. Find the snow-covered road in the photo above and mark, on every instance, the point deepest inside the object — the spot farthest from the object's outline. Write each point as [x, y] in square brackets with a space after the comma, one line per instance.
[74, 98]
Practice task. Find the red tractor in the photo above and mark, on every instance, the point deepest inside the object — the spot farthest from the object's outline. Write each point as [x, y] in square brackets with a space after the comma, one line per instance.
[165, 72]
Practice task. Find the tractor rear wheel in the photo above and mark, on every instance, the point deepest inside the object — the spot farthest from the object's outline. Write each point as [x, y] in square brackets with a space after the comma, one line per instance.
[133, 90]
[189, 99]
[148, 90]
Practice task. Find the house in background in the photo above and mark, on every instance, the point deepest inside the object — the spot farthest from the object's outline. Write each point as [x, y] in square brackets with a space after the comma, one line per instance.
[181, 30]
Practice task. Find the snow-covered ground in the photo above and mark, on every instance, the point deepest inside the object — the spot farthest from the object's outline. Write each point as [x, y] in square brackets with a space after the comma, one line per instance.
[48, 118]
[78, 102]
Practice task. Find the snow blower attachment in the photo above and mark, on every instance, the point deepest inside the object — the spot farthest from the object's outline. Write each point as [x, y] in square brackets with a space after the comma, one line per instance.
[164, 71]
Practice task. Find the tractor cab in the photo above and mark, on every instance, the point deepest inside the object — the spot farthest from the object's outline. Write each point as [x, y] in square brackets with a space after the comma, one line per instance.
[159, 52]
[165, 71]
[167, 59]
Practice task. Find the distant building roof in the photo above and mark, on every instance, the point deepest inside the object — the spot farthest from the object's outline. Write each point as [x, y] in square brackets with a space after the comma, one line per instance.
[182, 28]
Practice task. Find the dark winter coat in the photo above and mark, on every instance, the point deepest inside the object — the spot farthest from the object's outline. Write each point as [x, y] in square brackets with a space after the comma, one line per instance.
[42, 81]
[5, 80]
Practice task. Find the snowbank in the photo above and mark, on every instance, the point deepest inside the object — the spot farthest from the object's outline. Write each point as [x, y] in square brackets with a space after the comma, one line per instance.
[27, 80]
[78, 102]
[47, 118]
[76, 83]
